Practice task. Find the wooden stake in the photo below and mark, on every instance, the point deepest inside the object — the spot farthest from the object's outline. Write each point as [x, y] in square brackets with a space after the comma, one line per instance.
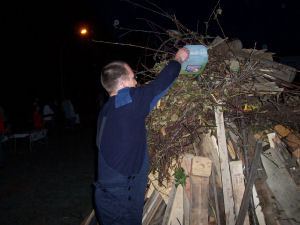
[226, 180]
[238, 186]
[246, 197]
[216, 196]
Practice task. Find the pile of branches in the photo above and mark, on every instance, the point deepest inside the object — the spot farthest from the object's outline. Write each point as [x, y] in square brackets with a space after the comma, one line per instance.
[187, 109]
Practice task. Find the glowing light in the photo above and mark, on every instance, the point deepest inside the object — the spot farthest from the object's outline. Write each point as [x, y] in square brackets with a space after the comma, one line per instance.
[83, 31]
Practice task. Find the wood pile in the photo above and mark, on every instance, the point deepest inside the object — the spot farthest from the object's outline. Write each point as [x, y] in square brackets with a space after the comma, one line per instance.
[212, 196]
[227, 128]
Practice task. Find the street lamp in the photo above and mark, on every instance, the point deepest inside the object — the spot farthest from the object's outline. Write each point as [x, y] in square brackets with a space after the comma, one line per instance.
[83, 31]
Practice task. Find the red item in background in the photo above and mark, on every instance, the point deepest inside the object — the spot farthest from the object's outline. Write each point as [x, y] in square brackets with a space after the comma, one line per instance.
[2, 130]
[37, 120]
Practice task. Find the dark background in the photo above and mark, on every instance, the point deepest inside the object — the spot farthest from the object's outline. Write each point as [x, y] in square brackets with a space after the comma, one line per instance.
[43, 54]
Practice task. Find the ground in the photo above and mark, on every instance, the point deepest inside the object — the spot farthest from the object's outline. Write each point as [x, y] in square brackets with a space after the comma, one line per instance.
[50, 185]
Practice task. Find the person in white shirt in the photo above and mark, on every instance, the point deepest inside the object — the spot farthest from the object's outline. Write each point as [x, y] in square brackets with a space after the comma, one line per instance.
[48, 114]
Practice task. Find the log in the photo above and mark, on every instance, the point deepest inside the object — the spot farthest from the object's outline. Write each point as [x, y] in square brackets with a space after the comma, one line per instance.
[226, 180]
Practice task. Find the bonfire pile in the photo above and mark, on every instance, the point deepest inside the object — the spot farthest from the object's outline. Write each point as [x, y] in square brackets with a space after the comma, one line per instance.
[247, 83]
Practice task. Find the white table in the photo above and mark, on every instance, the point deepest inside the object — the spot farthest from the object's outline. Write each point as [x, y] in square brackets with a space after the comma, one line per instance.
[32, 137]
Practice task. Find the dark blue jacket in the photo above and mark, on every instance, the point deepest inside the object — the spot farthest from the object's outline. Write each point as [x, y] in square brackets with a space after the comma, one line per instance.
[124, 136]
[123, 159]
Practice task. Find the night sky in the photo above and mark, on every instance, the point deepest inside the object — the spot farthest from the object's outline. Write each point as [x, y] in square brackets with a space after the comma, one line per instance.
[41, 47]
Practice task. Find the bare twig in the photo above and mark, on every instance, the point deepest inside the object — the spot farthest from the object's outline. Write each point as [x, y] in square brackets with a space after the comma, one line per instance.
[151, 10]
[131, 45]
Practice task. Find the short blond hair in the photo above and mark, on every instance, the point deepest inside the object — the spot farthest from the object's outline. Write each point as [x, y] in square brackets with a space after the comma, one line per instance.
[111, 74]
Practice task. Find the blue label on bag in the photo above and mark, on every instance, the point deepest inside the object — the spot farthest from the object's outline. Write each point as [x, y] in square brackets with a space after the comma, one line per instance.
[193, 68]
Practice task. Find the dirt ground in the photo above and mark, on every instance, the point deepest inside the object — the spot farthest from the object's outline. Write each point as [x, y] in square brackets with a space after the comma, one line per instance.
[52, 185]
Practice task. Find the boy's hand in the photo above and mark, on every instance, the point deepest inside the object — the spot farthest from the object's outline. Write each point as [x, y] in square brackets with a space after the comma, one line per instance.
[182, 55]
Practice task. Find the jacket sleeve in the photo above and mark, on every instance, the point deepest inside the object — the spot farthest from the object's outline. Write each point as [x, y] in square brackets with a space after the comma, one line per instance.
[147, 96]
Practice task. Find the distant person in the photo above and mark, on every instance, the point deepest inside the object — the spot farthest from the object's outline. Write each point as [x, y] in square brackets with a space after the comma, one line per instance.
[48, 117]
[69, 113]
[123, 158]
[38, 123]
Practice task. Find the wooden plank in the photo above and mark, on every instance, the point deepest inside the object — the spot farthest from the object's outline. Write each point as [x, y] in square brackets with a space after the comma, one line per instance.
[169, 205]
[270, 206]
[187, 166]
[209, 148]
[90, 220]
[280, 147]
[151, 207]
[238, 186]
[296, 155]
[282, 185]
[275, 69]
[158, 217]
[176, 214]
[216, 197]
[201, 170]
[199, 200]
[231, 150]
[258, 209]
[201, 166]
[246, 197]
[186, 209]
[226, 180]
